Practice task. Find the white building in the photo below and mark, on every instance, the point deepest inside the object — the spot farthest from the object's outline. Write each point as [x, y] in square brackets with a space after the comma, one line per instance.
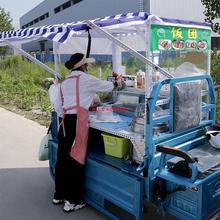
[61, 11]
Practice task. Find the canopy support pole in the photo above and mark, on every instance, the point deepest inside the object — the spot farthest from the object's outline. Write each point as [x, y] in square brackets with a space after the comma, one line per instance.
[129, 49]
[33, 59]
[56, 56]
[116, 59]
[148, 69]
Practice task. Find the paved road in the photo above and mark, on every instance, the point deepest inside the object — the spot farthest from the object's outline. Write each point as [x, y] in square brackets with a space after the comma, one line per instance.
[26, 188]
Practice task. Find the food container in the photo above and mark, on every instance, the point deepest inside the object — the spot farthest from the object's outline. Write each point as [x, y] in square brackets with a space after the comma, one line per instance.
[116, 146]
[104, 113]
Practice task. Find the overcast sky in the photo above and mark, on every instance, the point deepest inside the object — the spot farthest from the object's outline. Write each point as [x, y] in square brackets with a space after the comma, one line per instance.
[17, 8]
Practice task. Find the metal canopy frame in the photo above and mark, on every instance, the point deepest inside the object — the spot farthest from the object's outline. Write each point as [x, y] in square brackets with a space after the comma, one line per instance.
[108, 35]
[111, 27]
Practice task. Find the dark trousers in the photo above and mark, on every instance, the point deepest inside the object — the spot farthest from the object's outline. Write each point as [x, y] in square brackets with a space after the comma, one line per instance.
[69, 174]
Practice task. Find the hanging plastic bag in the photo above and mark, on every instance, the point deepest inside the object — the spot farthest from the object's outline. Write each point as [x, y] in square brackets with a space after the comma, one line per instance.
[214, 138]
[44, 146]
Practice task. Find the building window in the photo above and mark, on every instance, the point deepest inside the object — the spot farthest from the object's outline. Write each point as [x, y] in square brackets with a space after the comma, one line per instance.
[76, 1]
[66, 5]
[36, 20]
[57, 9]
[41, 17]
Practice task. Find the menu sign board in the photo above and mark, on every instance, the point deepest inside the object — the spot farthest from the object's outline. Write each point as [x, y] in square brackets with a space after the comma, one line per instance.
[179, 38]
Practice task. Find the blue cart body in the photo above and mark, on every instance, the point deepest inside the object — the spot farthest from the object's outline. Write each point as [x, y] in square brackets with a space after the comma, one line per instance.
[111, 181]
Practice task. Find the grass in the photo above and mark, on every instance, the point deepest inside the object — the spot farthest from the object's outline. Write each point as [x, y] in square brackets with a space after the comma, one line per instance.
[23, 88]
[21, 84]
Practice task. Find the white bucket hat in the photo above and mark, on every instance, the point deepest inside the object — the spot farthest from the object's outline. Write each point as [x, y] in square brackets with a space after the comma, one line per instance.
[77, 60]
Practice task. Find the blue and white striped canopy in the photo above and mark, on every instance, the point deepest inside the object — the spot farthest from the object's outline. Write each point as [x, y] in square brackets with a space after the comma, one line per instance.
[61, 32]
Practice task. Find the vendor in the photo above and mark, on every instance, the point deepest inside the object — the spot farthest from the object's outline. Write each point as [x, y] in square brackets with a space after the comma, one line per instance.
[76, 95]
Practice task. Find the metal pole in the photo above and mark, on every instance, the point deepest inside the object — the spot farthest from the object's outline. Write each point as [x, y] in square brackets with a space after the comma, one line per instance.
[33, 59]
[141, 5]
[56, 57]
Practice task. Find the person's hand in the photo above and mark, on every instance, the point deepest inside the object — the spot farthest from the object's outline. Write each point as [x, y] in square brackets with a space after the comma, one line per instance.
[57, 81]
[119, 84]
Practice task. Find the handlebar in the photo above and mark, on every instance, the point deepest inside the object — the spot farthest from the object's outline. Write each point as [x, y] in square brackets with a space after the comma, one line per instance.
[177, 152]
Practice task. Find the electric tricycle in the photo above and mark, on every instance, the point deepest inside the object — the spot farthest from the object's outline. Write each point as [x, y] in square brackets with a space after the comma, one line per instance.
[155, 149]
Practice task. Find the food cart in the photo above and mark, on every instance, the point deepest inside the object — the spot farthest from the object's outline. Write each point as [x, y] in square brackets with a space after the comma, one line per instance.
[170, 163]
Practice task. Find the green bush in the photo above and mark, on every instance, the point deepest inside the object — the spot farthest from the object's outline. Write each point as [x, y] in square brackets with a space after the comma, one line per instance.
[215, 67]
[21, 84]
[215, 71]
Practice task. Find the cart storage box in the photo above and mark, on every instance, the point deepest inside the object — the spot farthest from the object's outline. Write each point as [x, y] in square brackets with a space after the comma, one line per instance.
[116, 146]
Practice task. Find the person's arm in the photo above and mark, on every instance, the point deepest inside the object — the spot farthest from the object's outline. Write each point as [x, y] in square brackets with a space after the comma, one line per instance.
[97, 85]
[55, 98]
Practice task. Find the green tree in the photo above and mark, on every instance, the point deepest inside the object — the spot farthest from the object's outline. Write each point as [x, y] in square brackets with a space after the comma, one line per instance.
[212, 11]
[5, 20]
[215, 71]
[5, 25]
[215, 67]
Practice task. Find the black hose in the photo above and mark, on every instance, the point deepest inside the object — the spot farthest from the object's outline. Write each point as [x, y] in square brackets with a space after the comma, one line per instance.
[89, 44]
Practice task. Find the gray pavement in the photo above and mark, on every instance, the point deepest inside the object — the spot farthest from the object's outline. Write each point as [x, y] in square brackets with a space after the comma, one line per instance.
[26, 188]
